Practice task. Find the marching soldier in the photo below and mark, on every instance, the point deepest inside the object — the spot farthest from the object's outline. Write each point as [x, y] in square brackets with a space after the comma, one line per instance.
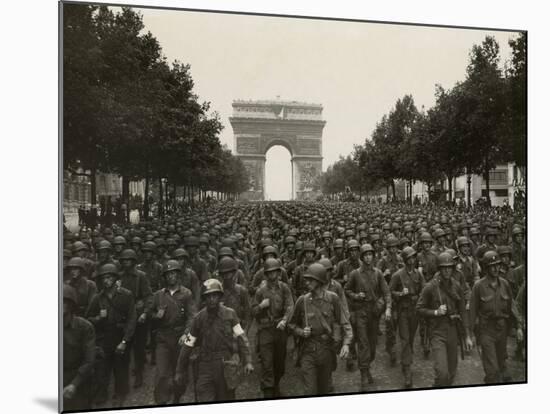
[113, 313]
[198, 265]
[298, 283]
[319, 320]
[235, 295]
[272, 306]
[223, 346]
[172, 311]
[85, 289]
[492, 309]
[369, 297]
[442, 303]
[405, 287]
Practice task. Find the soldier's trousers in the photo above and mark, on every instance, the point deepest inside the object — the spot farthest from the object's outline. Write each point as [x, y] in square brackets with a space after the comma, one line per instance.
[167, 356]
[391, 333]
[424, 334]
[272, 357]
[366, 328]
[139, 343]
[316, 366]
[407, 322]
[353, 345]
[492, 339]
[116, 364]
[444, 343]
[210, 382]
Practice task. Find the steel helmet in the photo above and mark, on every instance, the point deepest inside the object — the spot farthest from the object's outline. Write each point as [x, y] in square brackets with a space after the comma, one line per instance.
[318, 272]
[408, 252]
[69, 293]
[227, 264]
[353, 244]
[128, 254]
[453, 253]
[338, 244]
[212, 286]
[119, 240]
[461, 241]
[426, 237]
[392, 242]
[445, 260]
[474, 231]
[327, 263]
[103, 245]
[269, 250]
[78, 246]
[366, 248]
[290, 239]
[67, 254]
[191, 241]
[76, 262]
[327, 235]
[107, 269]
[309, 247]
[149, 246]
[171, 265]
[225, 251]
[439, 233]
[505, 249]
[136, 240]
[374, 237]
[517, 230]
[271, 265]
[180, 253]
[490, 258]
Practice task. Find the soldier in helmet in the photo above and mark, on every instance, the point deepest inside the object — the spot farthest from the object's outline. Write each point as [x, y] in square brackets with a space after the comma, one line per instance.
[78, 355]
[493, 311]
[518, 246]
[346, 266]
[136, 282]
[136, 245]
[320, 322]
[290, 250]
[271, 308]
[198, 265]
[81, 250]
[326, 250]
[223, 348]
[85, 289]
[104, 256]
[235, 295]
[298, 283]
[206, 255]
[333, 285]
[172, 311]
[269, 252]
[113, 313]
[467, 264]
[119, 244]
[490, 243]
[189, 278]
[405, 287]
[440, 245]
[338, 249]
[369, 296]
[475, 237]
[427, 259]
[442, 302]
[240, 278]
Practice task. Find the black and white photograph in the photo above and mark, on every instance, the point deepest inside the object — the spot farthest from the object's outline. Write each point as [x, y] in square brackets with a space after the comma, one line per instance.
[266, 206]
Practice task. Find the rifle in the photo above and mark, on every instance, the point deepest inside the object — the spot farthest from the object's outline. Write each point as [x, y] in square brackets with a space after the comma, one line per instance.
[460, 333]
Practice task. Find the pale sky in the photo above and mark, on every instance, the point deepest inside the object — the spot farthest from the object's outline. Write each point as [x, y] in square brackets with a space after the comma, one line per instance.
[357, 71]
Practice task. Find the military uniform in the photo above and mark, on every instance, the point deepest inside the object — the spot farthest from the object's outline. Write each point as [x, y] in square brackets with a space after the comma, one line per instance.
[444, 335]
[329, 326]
[85, 290]
[171, 313]
[271, 343]
[236, 298]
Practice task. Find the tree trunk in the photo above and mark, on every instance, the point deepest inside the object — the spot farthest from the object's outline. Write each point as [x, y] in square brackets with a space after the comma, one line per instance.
[450, 182]
[146, 197]
[93, 189]
[126, 196]
[487, 187]
[393, 189]
[469, 182]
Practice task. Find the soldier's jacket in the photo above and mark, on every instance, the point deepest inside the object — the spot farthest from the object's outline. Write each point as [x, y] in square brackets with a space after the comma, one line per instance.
[287, 257]
[153, 271]
[337, 259]
[78, 351]
[389, 264]
[521, 300]
[437, 249]
[290, 268]
[518, 254]
[470, 268]
[176, 309]
[458, 276]
[280, 305]
[217, 334]
[136, 282]
[236, 298]
[85, 291]
[439, 292]
[428, 262]
[211, 261]
[484, 248]
[98, 264]
[324, 315]
[343, 270]
[414, 282]
[243, 268]
[242, 256]
[327, 252]
[190, 280]
[121, 315]
[492, 302]
[372, 283]
[200, 268]
[337, 288]
[298, 281]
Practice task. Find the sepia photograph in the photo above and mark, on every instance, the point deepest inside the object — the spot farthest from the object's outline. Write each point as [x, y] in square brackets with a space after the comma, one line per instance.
[266, 206]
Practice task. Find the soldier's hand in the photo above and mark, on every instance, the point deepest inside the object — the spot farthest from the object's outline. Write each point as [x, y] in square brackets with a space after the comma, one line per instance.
[103, 313]
[281, 325]
[159, 314]
[344, 352]
[361, 295]
[387, 272]
[182, 339]
[264, 303]
[178, 379]
[469, 344]
[121, 348]
[442, 310]
[519, 335]
[307, 331]
[142, 318]
[69, 391]
[248, 368]
[405, 291]
[388, 314]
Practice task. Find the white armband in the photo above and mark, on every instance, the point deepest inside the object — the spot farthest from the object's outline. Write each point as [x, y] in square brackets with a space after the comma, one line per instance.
[190, 341]
[238, 330]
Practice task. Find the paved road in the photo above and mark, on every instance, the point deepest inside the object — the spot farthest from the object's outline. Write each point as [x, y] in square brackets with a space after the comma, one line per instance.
[470, 371]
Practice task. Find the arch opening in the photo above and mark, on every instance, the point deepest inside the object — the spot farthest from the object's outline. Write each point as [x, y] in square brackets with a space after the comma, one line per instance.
[278, 173]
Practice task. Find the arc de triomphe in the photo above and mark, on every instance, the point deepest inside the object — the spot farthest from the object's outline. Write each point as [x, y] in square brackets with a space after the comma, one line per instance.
[297, 126]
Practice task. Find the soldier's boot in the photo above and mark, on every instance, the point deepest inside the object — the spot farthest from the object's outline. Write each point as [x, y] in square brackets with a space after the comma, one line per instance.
[138, 382]
[393, 358]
